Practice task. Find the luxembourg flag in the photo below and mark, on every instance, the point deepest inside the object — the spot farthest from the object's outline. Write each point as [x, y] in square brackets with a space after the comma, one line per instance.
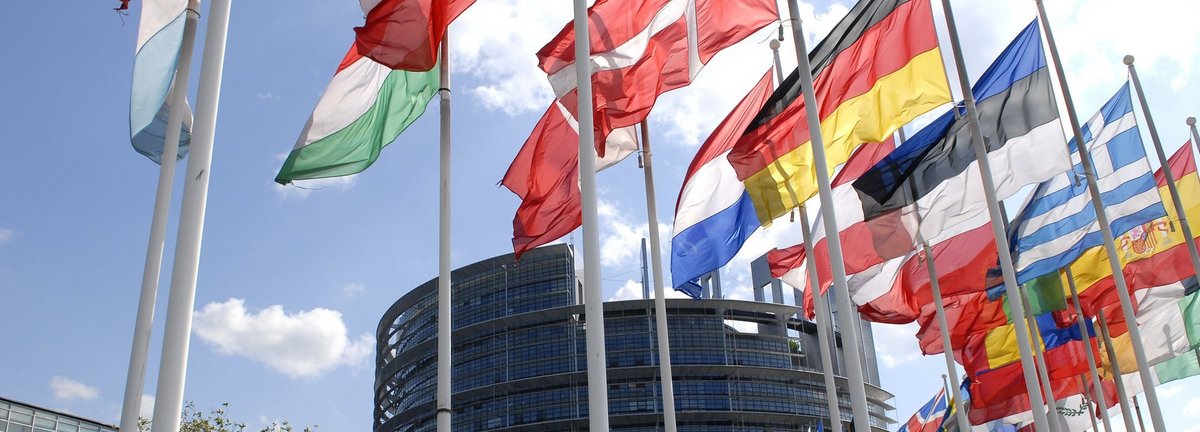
[930, 417]
[714, 215]
[160, 36]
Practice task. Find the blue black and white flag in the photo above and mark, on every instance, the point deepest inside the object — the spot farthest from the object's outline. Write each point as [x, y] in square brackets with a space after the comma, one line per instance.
[1058, 222]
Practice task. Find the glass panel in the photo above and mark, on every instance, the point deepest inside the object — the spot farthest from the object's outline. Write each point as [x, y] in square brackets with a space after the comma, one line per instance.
[88, 427]
[3, 426]
[19, 428]
[43, 430]
[21, 409]
[63, 427]
[44, 422]
[3, 413]
[22, 418]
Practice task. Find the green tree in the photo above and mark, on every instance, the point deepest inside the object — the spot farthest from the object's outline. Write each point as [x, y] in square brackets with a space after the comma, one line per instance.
[217, 420]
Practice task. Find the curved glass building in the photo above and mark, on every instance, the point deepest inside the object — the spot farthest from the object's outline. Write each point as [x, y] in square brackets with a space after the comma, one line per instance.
[519, 361]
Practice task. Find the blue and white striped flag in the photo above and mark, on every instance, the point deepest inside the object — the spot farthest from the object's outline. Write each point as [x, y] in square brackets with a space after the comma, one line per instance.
[160, 37]
[1058, 222]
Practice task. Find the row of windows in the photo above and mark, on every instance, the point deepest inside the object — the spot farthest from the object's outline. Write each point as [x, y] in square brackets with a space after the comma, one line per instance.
[18, 418]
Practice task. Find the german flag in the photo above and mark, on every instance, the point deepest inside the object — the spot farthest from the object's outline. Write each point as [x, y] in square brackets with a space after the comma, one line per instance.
[878, 69]
[1152, 255]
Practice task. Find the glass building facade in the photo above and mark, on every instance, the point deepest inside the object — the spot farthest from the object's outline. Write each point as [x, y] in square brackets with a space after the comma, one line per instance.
[519, 363]
[20, 417]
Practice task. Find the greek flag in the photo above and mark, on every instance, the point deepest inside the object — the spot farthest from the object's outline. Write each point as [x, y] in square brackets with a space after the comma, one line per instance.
[1058, 222]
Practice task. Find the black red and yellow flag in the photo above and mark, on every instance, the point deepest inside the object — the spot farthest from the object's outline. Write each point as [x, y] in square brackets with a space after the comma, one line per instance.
[878, 69]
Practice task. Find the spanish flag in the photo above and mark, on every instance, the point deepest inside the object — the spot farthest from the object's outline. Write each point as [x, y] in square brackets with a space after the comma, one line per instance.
[1152, 255]
[878, 69]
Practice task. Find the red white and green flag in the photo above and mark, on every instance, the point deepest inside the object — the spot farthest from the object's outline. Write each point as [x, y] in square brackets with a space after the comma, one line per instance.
[366, 106]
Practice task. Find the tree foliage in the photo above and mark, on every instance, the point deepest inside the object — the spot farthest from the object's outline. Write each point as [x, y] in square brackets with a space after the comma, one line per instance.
[217, 420]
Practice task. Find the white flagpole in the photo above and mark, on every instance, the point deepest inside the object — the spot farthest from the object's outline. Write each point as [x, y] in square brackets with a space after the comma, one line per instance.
[1087, 340]
[1122, 394]
[1036, 402]
[660, 302]
[854, 364]
[1043, 373]
[444, 354]
[135, 378]
[1166, 169]
[1191, 122]
[173, 367]
[593, 298]
[1110, 248]
[821, 308]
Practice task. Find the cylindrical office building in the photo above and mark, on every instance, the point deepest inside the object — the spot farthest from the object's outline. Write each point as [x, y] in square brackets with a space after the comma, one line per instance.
[519, 362]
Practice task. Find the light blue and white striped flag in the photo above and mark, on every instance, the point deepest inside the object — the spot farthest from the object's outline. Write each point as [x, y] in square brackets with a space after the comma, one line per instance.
[1058, 222]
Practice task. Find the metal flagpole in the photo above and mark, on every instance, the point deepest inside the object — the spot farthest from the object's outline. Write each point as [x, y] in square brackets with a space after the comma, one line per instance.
[1043, 373]
[1122, 395]
[960, 414]
[858, 393]
[1091, 411]
[135, 378]
[593, 299]
[1110, 248]
[445, 352]
[822, 318]
[645, 272]
[820, 306]
[1162, 160]
[1138, 409]
[1087, 340]
[660, 300]
[1191, 122]
[173, 366]
[998, 221]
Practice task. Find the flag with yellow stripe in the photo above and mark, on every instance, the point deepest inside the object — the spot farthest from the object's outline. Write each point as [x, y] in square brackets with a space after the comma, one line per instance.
[878, 69]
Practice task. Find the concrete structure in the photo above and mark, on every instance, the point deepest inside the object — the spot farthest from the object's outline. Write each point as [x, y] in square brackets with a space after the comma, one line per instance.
[519, 360]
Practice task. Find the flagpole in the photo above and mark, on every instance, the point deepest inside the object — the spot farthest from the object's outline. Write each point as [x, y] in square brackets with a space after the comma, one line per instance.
[1110, 248]
[445, 352]
[822, 319]
[960, 414]
[1166, 169]
[660, 301]
[1043, 373]
[135, 378]
[1090, 409]
[854, 368]
[1122, 394]
[1097, 386]
[1036, 402]
[821, 308]
[1191, 122]
[1138, 409]
[593, 299]
[173, 366]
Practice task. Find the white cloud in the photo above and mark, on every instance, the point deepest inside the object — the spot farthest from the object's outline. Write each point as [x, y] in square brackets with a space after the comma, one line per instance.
[66, 389]
[896, 345]
[1170, 390]
[1192, 408]
[301, 344]
[146, 409]
[6, 235]
[352, 290]
[494, 42]
[632, 290]
[267, 97]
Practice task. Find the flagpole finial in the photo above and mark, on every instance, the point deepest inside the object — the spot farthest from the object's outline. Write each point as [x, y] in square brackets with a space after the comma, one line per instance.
[1128, 60]
[774, 44]
[1191, 121]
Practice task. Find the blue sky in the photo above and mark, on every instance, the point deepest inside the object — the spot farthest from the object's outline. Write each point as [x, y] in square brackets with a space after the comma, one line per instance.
[293, 281]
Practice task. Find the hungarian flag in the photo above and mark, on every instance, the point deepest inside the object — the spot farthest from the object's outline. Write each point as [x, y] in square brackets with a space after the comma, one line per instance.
[878, 69]
[366, 106]
[639, 51]
[406, 34]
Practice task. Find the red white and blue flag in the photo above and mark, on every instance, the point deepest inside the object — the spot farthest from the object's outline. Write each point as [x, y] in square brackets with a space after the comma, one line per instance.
[930, 417]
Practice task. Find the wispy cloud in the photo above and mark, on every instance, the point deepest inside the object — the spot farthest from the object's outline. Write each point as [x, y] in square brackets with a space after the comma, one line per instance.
[6, 235]
[267, 97]
[66, 389]
[352, 290]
